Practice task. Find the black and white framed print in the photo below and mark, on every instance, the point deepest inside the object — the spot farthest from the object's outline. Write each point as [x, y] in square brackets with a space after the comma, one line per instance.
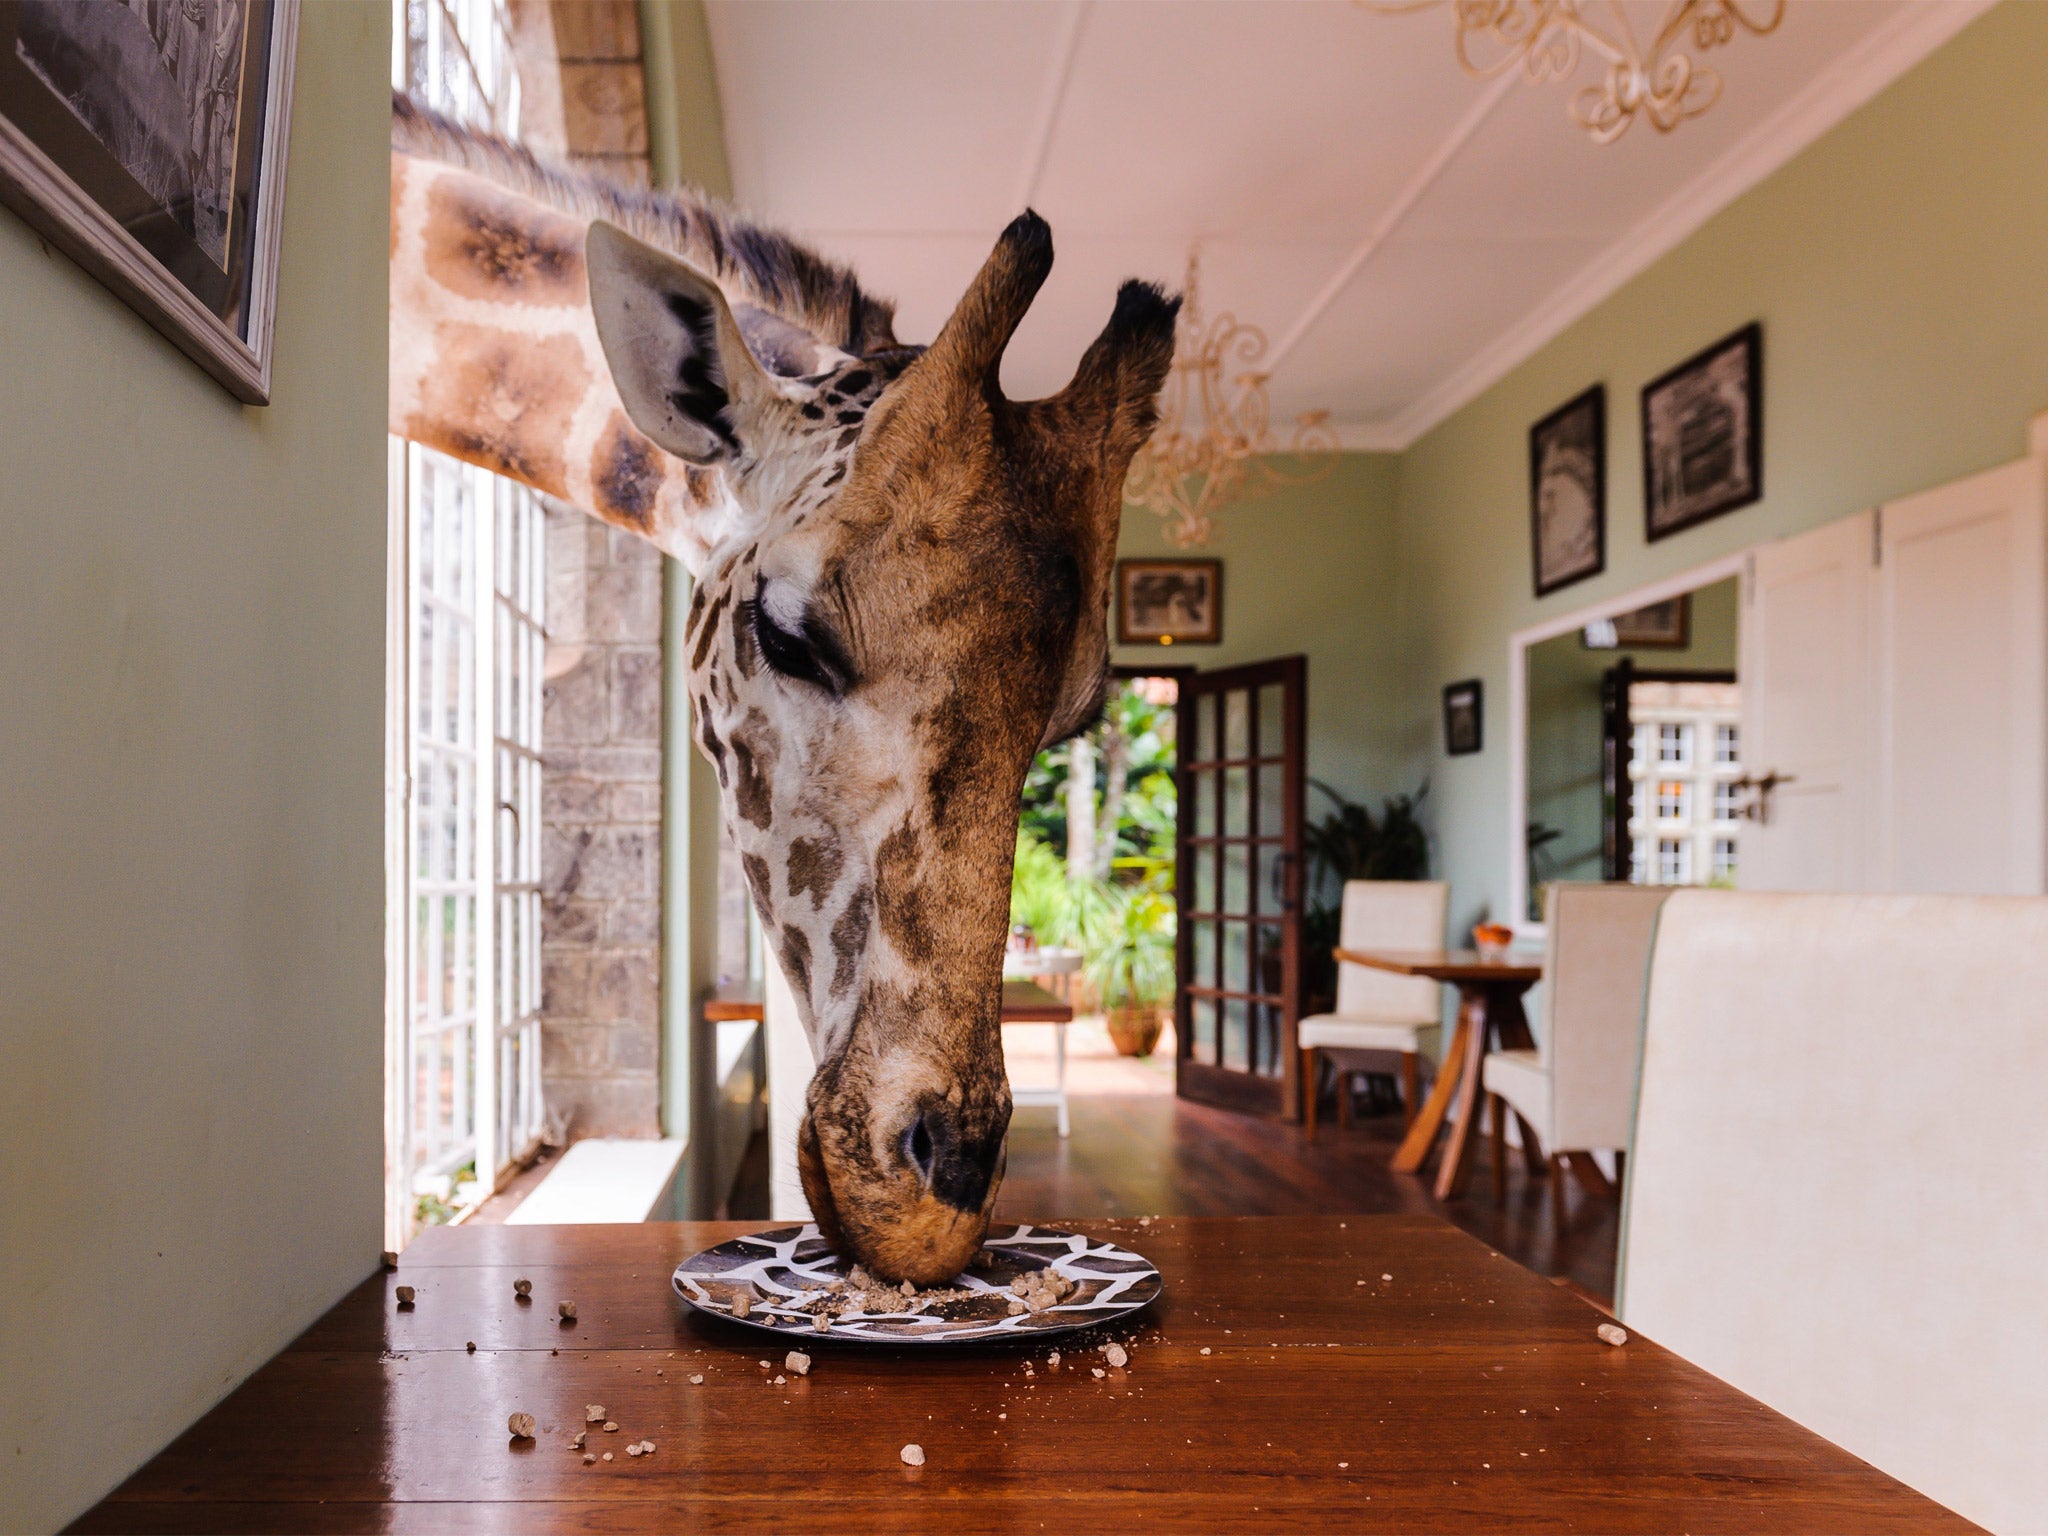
[146, 139]
[1169, 602]
[1568, 492]
[1703, 436]
[1464, 718]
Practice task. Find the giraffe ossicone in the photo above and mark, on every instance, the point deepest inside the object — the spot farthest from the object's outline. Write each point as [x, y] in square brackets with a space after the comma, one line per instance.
[902, 583]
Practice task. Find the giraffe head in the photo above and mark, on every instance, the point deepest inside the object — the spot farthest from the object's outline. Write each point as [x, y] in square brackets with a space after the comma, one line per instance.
[904, 600]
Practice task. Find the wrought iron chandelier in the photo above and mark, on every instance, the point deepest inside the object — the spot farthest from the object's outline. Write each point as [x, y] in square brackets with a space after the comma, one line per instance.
[1214, 443]
[1547, 37]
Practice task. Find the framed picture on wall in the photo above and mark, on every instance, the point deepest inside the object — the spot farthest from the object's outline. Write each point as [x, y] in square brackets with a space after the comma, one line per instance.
[1169, 602]
[1464, 718]
[146, 140]
[1665, 626]
[1568, 492]
[1703, 436]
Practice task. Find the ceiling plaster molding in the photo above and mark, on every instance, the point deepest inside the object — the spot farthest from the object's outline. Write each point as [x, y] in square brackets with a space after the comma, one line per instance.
[1364, 436]
[1857, 76]
[1043, 130]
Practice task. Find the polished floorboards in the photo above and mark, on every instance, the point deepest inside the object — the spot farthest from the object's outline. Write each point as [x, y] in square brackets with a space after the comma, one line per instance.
[1157, 1155]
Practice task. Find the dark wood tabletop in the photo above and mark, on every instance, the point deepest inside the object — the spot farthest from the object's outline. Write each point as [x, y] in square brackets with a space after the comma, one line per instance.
[1024, 1002]
[1452, 965]
[1300, 1373]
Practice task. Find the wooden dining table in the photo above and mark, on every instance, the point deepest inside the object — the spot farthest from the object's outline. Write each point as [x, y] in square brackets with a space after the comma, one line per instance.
[1490, 1017]
[1359, 1373]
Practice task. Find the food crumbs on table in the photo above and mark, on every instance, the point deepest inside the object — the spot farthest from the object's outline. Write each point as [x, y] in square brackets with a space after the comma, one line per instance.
[1612, 1333]
[1114, 1354]
[1343, 1464]
[554, 1351]
[581, 1436]
[797, 1363]
[779, 1380]
[697, 1380]
[1205, 1349]
[611, 1426]
[521, 1426]
[405, 1295]
[1386, 1277]
[633, 1449]
[523, 1289]
[593, 1413]
[913, 1455]
[567, 1309]
[763, 1364]
[822, 1322]
[607, 1455]
[470, 1346]
[742, 1305]
[1002, 1415]
[1098, 1372]
[1053, 1358]
[646, 1447]
[589, 1460]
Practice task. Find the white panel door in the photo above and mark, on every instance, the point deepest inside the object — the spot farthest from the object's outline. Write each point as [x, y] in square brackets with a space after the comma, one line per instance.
[1807, 708]
[1963, 702]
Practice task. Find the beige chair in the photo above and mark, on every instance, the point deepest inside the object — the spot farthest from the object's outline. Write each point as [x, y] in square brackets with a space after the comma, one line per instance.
[1377, 1011]
[1577, 1094]
[1838, 1185]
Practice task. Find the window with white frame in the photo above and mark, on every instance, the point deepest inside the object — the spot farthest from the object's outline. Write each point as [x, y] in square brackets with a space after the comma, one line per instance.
[1728, 745]
[1674, 861]
[1684, 801]
[1724, 859]
[1674, 800]
[1674, 744]
[468, 581]
[1727, 801]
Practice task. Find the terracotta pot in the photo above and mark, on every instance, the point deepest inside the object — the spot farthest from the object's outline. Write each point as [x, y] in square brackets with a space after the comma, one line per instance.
[1134, 1030]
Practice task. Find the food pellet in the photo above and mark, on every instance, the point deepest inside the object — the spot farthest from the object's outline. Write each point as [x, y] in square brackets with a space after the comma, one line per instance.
[523, 1289]
[405, 1295]
[607, 1455]
[521, 1425]
[1098, 1372]
[697, 1380]
[593, 1413]
[646, 1447]
[913, 1455]
[741, 1306]
[589, 1460]
[1613, 1333]
[567, 1309]
[1114, 1354]
[822, 1322]
[1053, 1358]
[581, 1436]
[611, 1426]
[633, 1449]
[797, 1363]
[1205, 1349]
[780, 1380]
[470, 1346]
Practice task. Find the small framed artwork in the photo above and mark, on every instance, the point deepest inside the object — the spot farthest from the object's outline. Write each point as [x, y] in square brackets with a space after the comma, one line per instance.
[1703, 436]
[1568, 492]
[146, 140]
[1464, 718]
[1169, 602]
[1665, 626]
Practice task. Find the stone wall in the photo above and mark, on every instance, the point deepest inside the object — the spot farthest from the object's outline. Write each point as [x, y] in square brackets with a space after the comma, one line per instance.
[601, 730]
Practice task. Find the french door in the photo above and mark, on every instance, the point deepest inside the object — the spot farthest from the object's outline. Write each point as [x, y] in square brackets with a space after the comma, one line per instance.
[1242, 735]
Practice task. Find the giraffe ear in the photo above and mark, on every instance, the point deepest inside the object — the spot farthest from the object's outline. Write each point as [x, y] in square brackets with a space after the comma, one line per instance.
[682, 368]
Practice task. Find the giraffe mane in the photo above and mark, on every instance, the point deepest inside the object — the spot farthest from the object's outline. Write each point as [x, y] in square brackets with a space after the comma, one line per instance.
[756, 266]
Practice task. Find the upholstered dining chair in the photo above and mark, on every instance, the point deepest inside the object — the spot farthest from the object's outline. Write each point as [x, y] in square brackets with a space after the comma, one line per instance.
[1838, 1195]
[1377, 1012]
[1576, 1091]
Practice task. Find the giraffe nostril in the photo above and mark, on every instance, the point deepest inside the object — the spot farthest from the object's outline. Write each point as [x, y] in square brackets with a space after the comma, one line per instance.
[917, 1146]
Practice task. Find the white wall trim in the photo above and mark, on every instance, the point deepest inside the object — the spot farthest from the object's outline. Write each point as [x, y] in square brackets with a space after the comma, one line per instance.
[1881, 57]
[1518, 700]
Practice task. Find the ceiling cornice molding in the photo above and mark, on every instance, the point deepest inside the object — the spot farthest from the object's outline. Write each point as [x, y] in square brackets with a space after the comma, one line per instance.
[1853, 79]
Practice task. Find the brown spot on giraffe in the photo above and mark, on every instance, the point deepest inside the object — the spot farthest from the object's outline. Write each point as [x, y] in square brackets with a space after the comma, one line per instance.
[814, 865]
[485, 244]
[626, 471]
[511, 399]
[753, 758]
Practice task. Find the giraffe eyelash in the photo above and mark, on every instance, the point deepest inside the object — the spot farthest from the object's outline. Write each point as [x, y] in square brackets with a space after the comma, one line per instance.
[807, 655]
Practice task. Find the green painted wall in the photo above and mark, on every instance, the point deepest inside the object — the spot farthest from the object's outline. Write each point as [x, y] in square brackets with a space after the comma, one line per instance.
[1311, 569]
[1564, 723]
[1897, 266]
[192, 849]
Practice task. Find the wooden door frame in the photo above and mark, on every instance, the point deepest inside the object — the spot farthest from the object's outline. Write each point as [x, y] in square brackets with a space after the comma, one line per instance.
[1246, 1091]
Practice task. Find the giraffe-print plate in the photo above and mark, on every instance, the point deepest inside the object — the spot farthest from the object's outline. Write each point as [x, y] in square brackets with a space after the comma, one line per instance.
[772, 1268]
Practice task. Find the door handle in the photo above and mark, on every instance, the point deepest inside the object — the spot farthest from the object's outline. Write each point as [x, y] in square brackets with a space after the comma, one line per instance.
[1759, 809]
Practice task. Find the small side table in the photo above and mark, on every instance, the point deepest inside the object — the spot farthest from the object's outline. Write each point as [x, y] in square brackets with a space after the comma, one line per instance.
[1026, 1002]
[1490, 1017]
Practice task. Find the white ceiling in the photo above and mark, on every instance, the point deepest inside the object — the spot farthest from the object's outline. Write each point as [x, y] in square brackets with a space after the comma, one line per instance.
[1403, 234]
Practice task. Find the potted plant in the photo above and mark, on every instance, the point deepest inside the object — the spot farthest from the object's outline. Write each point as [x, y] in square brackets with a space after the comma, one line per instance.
[1131, 961]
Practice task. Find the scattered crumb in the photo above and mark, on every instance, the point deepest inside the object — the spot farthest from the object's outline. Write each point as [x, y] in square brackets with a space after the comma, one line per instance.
[607, 1455]
[1053, 1358]
[697, 1380]
[822, 1322]
[1115, 1355]
[567, 1309]
[742, 1304]
[554, 1351]
[1612, 1333]
[908, 1289]
[913, 1455]
[646, 1447]
[405, 1295]
[1205, 1349]
[1016, 1307]
[797, 1363]
[1386, 1277]
[611, 1426]
[763, 1364]
[779, 1380]
[581, 1436]
[1098, 1372]
[593, 1413]
[633, 1449]
[521, 1425]
[523, 1289]
[1343, 1464]
[1002, 1415]
[470, 1346]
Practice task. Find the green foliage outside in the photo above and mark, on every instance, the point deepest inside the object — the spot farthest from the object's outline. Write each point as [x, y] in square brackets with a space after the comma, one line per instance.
[1350, 843]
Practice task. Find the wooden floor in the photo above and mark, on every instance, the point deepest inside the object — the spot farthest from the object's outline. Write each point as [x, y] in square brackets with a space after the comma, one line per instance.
[1163, 1156]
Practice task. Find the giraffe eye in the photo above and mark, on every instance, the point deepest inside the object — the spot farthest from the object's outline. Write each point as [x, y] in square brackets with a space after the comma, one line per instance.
[805, 654]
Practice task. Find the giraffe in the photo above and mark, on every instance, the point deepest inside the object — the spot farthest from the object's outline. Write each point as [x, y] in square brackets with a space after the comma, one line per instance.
[901, 588]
